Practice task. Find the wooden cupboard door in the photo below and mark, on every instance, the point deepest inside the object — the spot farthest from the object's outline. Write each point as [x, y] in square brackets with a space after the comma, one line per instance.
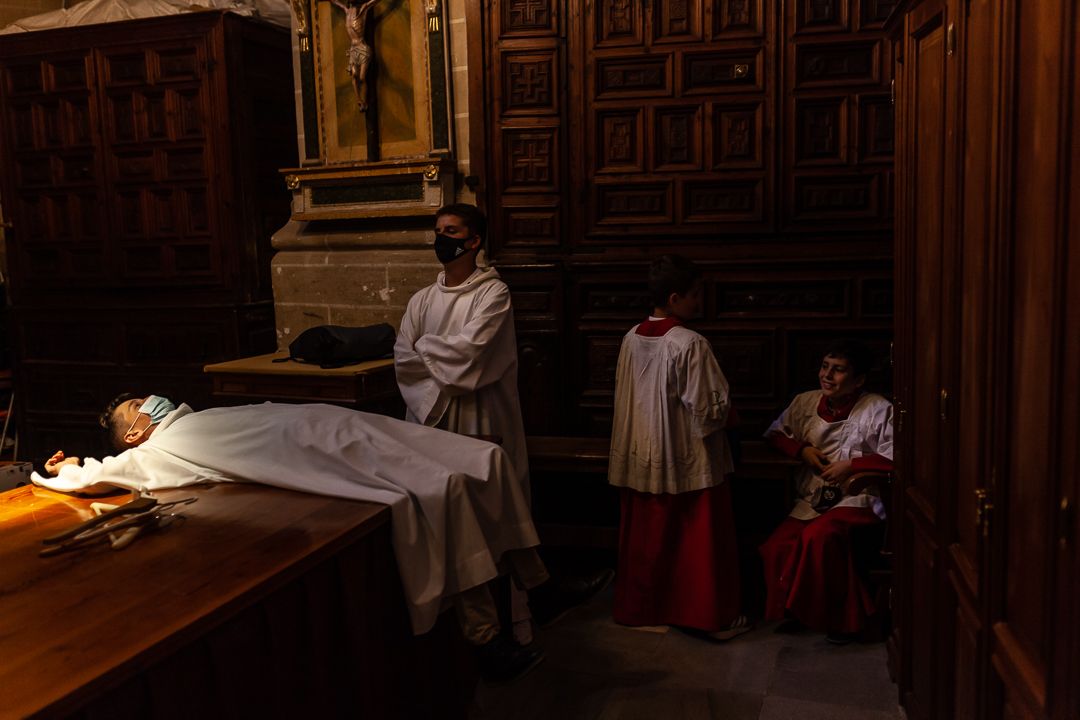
[924, 253]
[162, 160]
[54, 171]
[1028, 631]
[977, 276]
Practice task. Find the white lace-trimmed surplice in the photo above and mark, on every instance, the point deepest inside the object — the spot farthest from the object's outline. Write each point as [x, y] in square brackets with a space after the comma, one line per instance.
[867, 430]
[456, 362]
[671, 401]
[455, 503]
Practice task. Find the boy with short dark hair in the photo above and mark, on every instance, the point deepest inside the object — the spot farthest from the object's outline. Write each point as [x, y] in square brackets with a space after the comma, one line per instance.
[837, 431]
[678, 560]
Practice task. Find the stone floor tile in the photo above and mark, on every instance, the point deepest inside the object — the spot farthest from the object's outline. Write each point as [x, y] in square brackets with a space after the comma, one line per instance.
[645, 703]
[782, 708]
[853, 675]
[744, 664]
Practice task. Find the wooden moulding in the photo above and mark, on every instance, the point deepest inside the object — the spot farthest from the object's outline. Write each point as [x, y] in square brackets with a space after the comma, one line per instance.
[394, 188]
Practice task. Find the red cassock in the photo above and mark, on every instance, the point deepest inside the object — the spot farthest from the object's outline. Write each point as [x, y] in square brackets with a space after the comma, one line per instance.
[812, 560]
[678, 560]
[811, 571]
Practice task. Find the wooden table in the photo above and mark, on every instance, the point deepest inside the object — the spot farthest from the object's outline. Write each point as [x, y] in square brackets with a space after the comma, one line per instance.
[262, 603]
[369, 386]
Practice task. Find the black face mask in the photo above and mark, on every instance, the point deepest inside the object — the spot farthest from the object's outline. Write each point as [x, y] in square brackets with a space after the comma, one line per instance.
[448, 248]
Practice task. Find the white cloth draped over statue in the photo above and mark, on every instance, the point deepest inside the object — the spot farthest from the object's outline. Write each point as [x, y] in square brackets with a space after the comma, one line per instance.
[456, 362]
[456, 505]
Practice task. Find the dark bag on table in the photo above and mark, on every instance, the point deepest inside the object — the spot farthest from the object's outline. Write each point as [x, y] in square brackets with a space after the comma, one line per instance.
[334, 346]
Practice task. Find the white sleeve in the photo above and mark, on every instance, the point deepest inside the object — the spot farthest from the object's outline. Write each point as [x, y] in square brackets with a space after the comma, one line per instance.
[419, 390]
[703, 388]
[880, 433]
[92, 477]
[477, 356]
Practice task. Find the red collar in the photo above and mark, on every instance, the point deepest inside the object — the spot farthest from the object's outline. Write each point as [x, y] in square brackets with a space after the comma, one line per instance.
[837, 412]
[658, 328]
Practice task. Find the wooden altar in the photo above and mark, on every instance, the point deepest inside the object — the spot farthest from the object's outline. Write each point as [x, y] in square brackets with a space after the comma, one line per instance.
[262, 603]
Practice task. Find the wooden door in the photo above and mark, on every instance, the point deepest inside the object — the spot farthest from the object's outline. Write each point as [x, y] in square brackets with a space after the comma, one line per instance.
[1031, 613]
[925, 252]
[969, 478]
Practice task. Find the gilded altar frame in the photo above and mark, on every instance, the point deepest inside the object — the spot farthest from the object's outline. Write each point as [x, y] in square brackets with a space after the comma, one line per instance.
[404, 134]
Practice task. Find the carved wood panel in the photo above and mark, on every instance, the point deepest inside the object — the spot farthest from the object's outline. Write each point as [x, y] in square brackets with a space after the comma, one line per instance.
[681, 109]
[51, 127]
[768, 326]
[526, 117]
[838, 141]
[617, 130]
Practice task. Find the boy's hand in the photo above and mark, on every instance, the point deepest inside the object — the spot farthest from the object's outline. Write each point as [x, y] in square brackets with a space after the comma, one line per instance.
[814, 458]
[53, 464]
[837, 472]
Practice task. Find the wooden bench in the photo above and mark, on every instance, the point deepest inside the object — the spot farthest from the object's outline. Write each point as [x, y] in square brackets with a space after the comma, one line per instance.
[589, 456]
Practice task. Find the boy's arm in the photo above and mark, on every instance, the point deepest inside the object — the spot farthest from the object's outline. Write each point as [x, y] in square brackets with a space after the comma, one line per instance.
[783, 437]
[85, 478]
[881, 440]
[704, 392]
[475, 357]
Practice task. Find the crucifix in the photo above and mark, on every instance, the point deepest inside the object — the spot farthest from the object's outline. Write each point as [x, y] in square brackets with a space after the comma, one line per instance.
[359, 53]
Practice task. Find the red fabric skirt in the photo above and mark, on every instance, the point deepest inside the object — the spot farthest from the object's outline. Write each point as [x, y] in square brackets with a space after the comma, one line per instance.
[811, 574]
[678, 560]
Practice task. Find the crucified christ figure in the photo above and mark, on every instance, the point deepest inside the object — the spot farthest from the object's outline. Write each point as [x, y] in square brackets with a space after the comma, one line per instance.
[356, 15]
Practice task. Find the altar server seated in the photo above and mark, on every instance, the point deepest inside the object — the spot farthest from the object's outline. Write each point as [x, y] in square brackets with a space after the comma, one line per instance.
[837, 431]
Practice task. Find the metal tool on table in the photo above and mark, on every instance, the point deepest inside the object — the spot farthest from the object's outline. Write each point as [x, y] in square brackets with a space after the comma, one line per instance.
[121, 523]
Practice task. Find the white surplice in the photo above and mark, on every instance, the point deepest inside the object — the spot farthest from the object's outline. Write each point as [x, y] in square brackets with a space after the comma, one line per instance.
[671, 402]
[456, 505]
[456, 362]
[867, 430]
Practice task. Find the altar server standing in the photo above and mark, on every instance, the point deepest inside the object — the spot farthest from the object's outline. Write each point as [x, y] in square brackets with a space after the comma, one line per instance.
[456, 351]
[678, 559]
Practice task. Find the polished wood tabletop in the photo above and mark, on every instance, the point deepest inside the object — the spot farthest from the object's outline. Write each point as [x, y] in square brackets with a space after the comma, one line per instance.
[80, 622]
[267, 365]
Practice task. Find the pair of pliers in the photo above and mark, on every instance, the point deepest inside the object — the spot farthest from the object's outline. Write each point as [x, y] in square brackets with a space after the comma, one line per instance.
[134, 517]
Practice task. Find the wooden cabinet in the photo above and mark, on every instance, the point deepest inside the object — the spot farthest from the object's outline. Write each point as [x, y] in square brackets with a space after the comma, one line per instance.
[140, 179]
[752, 136]
[986, 355]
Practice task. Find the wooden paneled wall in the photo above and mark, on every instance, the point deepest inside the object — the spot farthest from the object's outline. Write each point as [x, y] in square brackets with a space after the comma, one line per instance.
[140, 178]
[754, 137]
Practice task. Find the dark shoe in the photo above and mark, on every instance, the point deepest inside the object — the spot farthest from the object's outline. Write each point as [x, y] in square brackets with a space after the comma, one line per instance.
[503, 660]
[552, 600]
[838, 638]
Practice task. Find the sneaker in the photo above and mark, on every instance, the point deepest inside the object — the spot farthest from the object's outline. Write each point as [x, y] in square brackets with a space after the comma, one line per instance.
[738, 626]
[502, 660]
[552, 600]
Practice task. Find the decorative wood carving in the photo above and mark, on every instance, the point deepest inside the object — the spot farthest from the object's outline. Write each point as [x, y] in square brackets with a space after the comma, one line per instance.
[632, 77]
[528, 16]
[531, 159]
[529, 82]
